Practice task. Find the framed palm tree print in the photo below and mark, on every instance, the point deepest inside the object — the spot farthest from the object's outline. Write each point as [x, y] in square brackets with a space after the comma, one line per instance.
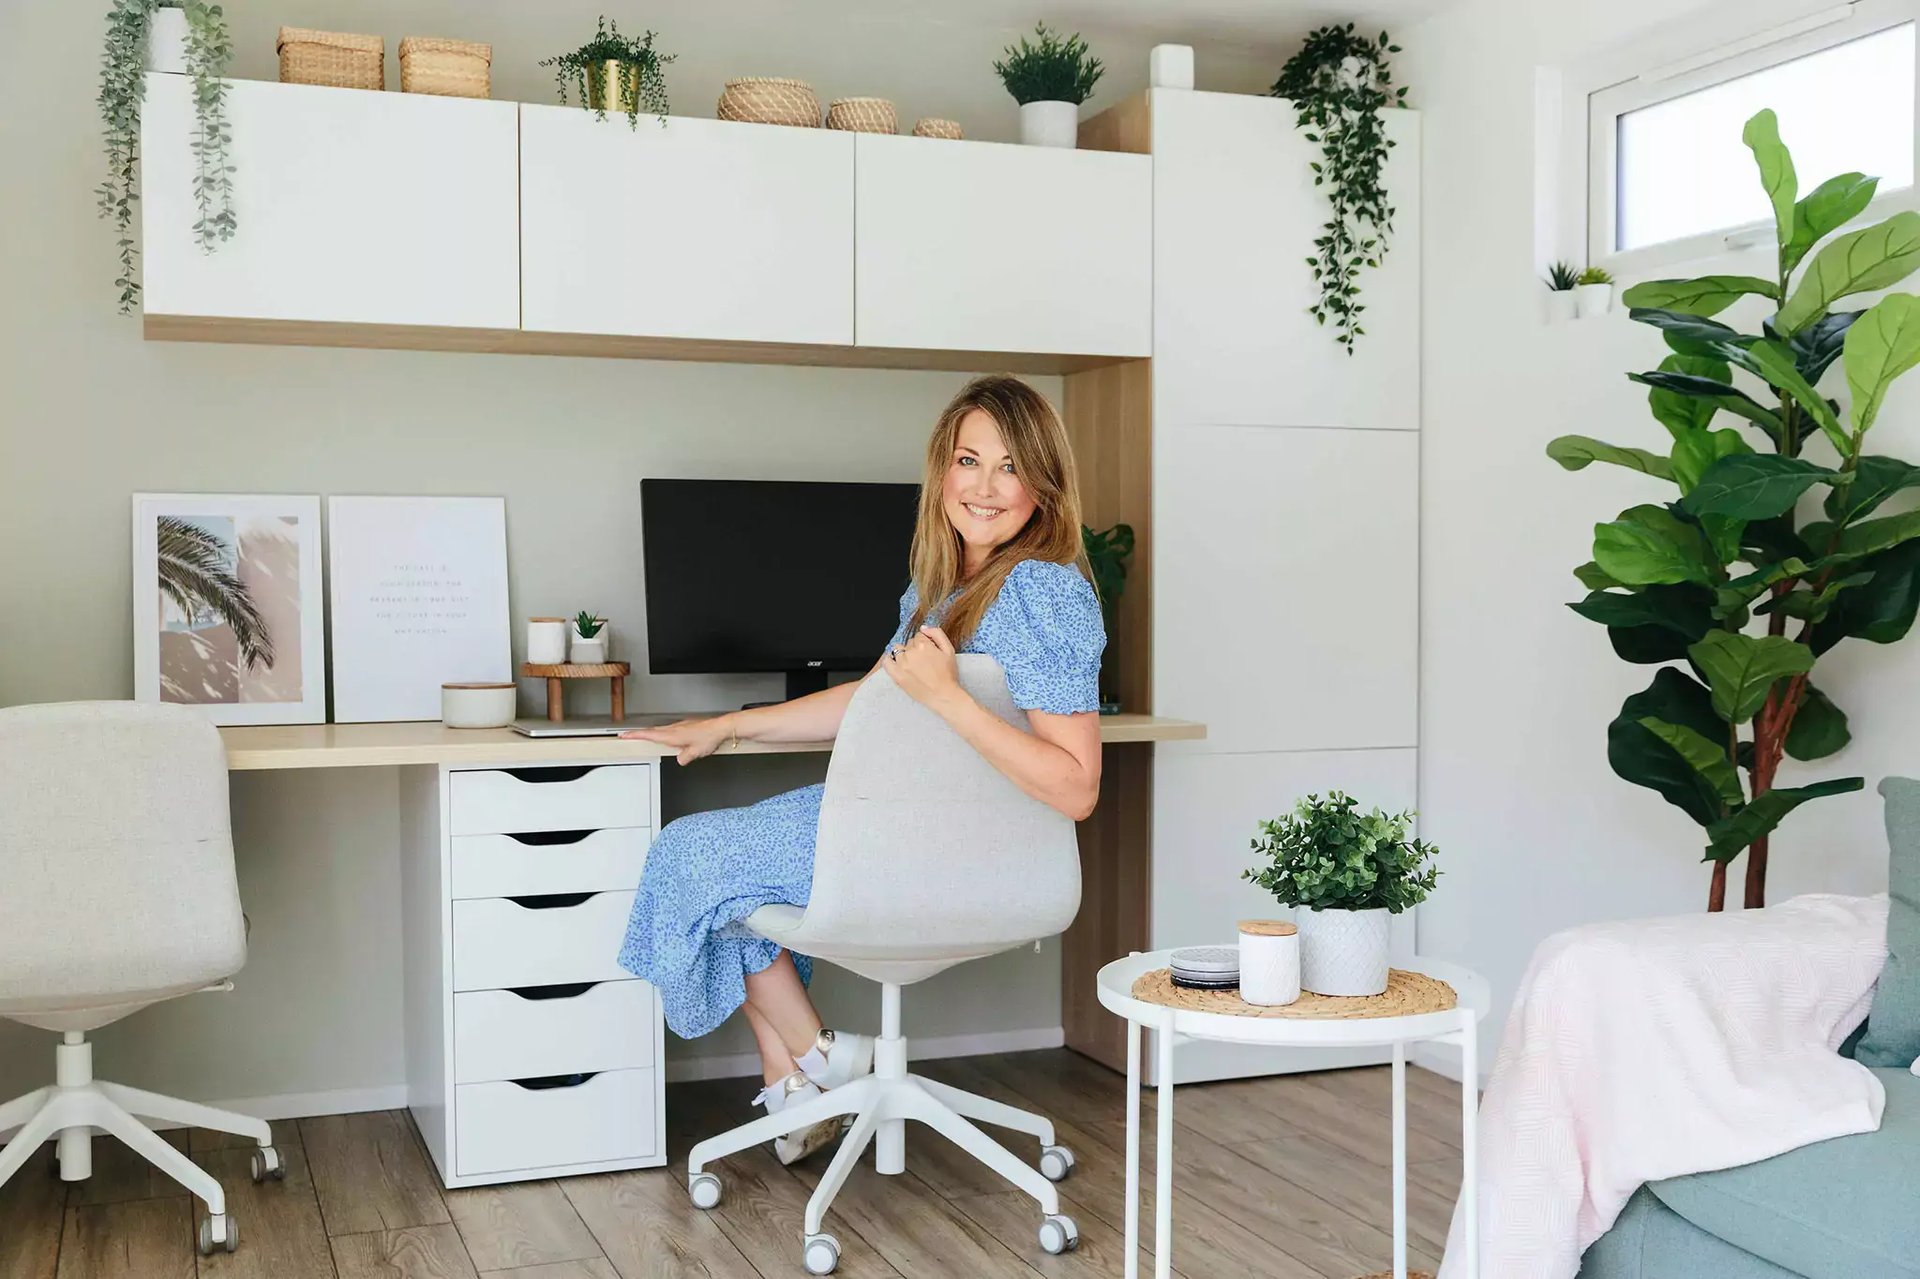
[226, 606]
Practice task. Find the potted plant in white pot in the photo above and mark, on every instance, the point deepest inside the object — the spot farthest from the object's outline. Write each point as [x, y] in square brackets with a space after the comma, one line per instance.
[1345, 873]
[1049, 77]
[587, 645]
[1593, 293]
[1561, 279]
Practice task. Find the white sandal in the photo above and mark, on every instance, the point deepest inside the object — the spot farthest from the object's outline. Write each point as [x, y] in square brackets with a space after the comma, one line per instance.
[837, 1058]
[795, 1146]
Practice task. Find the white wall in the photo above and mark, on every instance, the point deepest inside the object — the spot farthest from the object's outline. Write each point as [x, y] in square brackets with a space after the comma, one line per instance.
[90, 413]
[1536, 832]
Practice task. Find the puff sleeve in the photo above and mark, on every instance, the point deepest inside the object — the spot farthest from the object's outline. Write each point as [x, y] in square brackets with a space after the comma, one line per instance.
[1053, 640]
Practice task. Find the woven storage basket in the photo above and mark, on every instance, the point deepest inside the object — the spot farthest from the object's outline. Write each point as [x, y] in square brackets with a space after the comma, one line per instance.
[936, 128]
[862, 115]
[334, 58]
[770, 100]
[450, 68]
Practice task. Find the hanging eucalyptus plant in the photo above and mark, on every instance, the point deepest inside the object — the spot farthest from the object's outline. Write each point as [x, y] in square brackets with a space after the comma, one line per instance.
[123, 86]
[1706, 583]
[1339, 83]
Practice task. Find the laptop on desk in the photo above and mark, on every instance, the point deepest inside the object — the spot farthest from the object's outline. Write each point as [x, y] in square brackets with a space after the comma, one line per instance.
[592, 725]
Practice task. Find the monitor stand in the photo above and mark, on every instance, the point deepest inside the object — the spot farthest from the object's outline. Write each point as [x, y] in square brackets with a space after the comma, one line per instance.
[799, 684]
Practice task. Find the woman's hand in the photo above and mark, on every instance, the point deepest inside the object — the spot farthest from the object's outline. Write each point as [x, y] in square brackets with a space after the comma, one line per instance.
[691, 738]
[925, 668]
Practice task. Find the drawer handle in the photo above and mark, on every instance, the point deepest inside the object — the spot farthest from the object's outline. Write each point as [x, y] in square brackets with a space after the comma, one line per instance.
[550, 836]
[553, 773]
[565, 990]
[541, 1083]
[550, 901]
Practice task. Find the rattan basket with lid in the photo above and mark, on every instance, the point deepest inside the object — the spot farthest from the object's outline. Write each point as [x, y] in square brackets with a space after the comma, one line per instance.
[449, 68]
[770, 100]
[862, 115]
[338, 59]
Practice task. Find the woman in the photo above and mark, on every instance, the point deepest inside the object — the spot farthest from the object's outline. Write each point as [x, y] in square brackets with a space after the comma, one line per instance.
[997, 569]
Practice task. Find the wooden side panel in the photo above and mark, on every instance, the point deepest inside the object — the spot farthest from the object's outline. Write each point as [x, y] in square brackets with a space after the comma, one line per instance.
[1109, 416]
[1124, 126]
[1115, 866]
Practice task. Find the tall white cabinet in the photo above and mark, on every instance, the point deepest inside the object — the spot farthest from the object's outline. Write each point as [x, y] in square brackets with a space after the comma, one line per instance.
[1285, 509]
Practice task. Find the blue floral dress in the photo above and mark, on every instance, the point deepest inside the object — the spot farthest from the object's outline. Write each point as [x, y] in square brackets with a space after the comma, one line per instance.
[707, 871]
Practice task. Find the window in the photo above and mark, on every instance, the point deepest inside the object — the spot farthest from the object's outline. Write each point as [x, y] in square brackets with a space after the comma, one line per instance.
[1669, 176]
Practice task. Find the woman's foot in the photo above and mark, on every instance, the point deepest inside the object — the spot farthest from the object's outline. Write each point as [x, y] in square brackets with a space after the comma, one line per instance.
[795, 1146]
[837, 1058]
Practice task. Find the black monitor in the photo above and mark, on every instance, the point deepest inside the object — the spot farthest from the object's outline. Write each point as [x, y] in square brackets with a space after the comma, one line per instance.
[773, 575]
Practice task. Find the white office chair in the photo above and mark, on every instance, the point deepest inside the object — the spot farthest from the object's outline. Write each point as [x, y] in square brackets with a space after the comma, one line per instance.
[927, 856]
[116, 891]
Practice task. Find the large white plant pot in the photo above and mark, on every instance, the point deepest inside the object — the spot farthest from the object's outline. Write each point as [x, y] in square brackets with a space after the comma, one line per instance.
[1050, 124]
[167, 40]
[1343, 952]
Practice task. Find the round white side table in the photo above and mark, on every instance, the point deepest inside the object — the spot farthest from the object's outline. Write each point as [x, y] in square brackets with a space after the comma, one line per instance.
[1456, 1025]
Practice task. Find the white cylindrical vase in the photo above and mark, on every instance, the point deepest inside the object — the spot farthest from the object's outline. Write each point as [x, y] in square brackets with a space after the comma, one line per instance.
[1343, 952]
[1559, 305]
[1269, 962]
[1590, 300]
[1050, 124]
[167, 41]
[547, 640]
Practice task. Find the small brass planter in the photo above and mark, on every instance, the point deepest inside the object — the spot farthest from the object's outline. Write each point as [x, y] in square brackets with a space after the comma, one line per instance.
[614, 86]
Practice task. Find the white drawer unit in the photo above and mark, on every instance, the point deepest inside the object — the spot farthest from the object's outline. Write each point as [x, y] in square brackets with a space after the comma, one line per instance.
[569, 861]
[509, 801]
[545, 1126]
[530, 1052]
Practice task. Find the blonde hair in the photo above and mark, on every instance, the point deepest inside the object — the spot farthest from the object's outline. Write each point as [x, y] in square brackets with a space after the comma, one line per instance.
[1042, 460]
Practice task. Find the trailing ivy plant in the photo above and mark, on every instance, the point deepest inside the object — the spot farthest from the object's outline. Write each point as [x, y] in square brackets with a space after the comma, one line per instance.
[123, 86]
[1339, 83]
[1051, 68]
[587, 72]
[1707, 583]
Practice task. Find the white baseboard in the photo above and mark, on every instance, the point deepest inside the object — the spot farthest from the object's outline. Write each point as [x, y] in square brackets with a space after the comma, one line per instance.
[747, 1065]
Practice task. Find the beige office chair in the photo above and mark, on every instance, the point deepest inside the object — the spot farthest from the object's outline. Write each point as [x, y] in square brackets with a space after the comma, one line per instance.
[116, 891]
[927, 856]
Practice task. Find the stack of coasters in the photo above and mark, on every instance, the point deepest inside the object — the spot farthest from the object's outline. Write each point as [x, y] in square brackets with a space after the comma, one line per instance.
[1205, 967]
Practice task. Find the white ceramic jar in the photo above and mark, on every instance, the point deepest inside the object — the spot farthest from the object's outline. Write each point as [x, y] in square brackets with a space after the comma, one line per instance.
[477, 705]
[1269, 962]
[547, 640]
[1343, 952]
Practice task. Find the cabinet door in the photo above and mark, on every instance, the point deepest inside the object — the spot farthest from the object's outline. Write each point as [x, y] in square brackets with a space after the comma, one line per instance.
[372, 208]
[981, 246]
[691, 229]
[1235, 217]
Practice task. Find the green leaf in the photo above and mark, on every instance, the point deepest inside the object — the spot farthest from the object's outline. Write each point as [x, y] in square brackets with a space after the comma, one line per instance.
[1741, 668]
[1817, 346]
[1695, 452]
[1813, 606]
[1774, 361]
[1729, 836]
[1680, 412]
[1701, 755]
[1875, 479]
[1819, 727]
[1681, 609]
[1880, 611]
[1882, 344]
[1775, 539]
[1743, 590]
[1686, 334]
[1859, 262]
[1647, 645]
[1730, 398]
[1639, 757]
[1824, 210]
[1724, 533]
[1706, 295]
[1754, 486]
[1762, 136]
[1649, 545]
[1594, 578]
[1875, 535]
[1576, 451]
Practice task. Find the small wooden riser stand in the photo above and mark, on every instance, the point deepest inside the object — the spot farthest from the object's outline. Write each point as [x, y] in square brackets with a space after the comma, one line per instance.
[557, 674]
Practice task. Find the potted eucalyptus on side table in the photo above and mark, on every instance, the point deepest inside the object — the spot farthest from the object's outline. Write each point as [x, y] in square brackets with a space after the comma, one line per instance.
[1107, 555]
[1345, 873]
[188, 36]
[1049, 77]
[615, 71]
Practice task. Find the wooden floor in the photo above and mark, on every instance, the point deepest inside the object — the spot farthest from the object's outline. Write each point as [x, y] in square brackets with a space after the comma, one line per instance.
[1275, 1177]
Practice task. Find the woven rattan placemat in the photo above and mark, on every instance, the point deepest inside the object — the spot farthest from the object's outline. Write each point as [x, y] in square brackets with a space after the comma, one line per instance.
[1406, 995]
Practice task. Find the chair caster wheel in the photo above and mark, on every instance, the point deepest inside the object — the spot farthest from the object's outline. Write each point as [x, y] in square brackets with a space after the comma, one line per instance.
[1056, 1162]
[705, 1189]
[822, 1255]
[219, 1231]
[265, 1163]
[1059, 1234]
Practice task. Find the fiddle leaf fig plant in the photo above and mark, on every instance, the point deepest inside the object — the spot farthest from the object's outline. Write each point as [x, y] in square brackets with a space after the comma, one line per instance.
[1766, 549]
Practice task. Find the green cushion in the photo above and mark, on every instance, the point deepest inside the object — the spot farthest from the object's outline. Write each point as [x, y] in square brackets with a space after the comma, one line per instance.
[1848, 1208]
[1893, 1026]
[1651, 1241]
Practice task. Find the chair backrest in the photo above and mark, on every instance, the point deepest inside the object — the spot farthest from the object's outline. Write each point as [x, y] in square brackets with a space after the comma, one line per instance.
[116, 859]
[925, 848]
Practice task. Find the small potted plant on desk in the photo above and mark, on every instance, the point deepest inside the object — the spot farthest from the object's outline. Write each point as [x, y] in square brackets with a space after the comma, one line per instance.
[615, 71]
[1561, 279]
[587, 646]
[1049, 77]
[1107, 554]
[1345, 873]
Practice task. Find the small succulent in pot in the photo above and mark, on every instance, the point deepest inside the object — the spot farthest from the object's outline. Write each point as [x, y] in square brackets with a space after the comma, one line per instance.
[615, 70]
[1595, 275]
[587, 626]
[1562, 276]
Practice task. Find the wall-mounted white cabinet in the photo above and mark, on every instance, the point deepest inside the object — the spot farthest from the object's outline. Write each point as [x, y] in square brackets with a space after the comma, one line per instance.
[691, 229]
[353, 208]
[979, 246]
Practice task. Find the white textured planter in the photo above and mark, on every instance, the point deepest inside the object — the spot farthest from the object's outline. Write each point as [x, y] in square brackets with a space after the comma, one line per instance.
[1560, 304]
[1590, 300]
[547, 641]
[167, 41]
[1343, 952]
[588, 652]
[1050, 124]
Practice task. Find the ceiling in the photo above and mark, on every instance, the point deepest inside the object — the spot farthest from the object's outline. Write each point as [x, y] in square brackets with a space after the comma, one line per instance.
[1264, 23]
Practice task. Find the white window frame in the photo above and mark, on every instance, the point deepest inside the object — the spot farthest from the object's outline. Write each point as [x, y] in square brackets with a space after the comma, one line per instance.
[1659, 70]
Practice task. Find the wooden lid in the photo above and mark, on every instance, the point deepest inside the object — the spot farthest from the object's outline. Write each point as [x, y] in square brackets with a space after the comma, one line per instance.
[410, 45]
[547, 619]
[335, 39]
[1267, 928]
[477, 686]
